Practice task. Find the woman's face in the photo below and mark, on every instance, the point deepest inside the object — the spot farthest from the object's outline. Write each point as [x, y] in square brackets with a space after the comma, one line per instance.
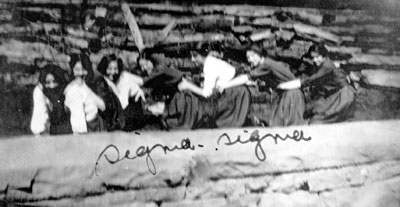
[79, 71]
[317, 59]
[50, 81]
[146, 65]
[253, 58]
[197, 59]
[112, 70]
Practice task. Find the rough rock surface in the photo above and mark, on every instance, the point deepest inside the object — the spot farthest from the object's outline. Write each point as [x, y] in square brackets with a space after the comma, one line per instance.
[348, 164]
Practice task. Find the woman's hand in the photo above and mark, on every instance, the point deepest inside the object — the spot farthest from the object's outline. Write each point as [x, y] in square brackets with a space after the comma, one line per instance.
[157, 108]
[140, 95]
[183, 85]
[220, 88]
[251, 83]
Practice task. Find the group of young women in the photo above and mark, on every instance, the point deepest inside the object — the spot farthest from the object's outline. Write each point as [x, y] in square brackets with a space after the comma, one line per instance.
[117, 99]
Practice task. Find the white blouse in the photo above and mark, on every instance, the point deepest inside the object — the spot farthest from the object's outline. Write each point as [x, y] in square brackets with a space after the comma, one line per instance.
[40, 115]
[80, 101]
[216, 73]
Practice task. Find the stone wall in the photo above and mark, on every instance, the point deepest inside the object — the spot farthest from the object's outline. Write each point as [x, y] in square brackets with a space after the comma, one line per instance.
[352, 164]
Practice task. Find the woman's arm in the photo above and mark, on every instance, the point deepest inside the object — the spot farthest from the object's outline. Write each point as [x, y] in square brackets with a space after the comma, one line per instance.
[97, 100]
[240, 80]
[74, 102]
[290, 85]
[40, 114]
[187, 85]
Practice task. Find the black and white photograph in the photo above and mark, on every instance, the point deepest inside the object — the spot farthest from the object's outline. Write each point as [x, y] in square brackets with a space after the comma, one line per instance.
[164, 103]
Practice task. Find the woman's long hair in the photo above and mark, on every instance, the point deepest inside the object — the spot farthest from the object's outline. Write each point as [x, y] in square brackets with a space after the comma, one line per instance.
[86, 64]
[59, 75]
[55, 95]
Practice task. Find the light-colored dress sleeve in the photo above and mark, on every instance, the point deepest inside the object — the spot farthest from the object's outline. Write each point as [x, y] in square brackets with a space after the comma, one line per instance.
[40, 116]
[127, 86]
[74, 100]
[135, 78]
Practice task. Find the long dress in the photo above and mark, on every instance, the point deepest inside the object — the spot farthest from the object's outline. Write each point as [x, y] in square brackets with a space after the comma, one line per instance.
[122, 111]
[283, 108]
[113, 115]
[185, 110]
[332, 97]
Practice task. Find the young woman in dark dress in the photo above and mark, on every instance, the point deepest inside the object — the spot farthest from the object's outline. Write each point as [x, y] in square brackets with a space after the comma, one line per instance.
[111, 68]
[288, 106]
[122, 94]
[332, 96]
[48, 103]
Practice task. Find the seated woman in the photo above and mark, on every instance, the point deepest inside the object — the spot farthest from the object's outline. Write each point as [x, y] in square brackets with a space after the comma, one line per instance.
[288, 108]
[187, 107]
[227, 109]
[121, 93]
[332, 96]
[49, 114]
[83, 103]
[170, 83]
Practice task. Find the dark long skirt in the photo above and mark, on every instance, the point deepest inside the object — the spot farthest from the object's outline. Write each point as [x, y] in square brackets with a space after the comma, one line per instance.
[334, 108]
[189, 111]
[183, 111]
[60, 119]
[284, 108]
[134, 116]
[233, 107]
[63, 127]
[289, 109]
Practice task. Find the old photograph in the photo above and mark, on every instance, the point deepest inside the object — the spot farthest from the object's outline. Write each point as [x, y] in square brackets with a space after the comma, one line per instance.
[163, 103]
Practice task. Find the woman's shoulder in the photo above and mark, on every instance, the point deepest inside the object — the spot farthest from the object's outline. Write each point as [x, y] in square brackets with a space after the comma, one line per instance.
[38, 94]
[70, 86]
[275, 63]
[74, 88]
[38, 90]
[130, 78]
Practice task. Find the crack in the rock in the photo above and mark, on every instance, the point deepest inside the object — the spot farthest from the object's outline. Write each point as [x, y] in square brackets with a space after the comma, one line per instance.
[28, 189]
[257, 191]
[52, 198]
[305, 170]
[304, 186]
[158, 203]
[354, 185]
[176, 184]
